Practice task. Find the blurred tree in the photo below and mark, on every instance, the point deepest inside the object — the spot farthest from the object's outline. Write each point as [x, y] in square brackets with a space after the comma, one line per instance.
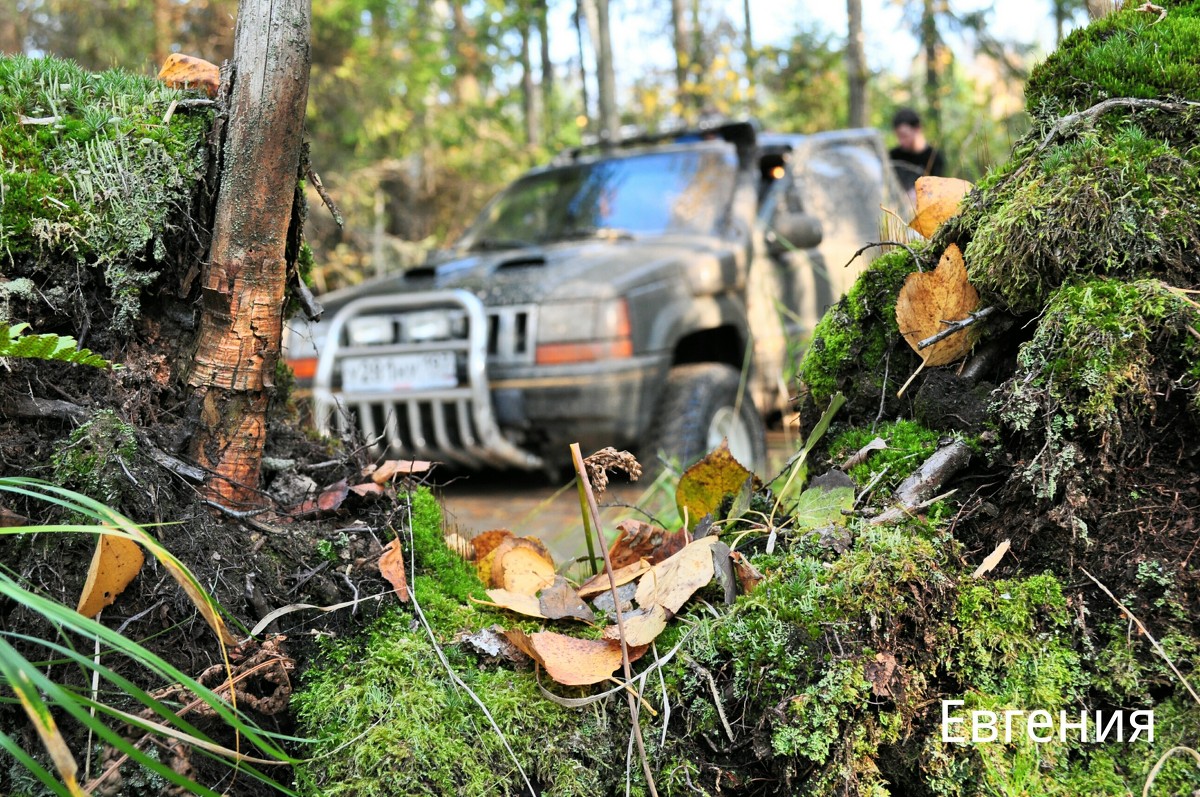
[1065, 12]
[804, 84]
[856, 64]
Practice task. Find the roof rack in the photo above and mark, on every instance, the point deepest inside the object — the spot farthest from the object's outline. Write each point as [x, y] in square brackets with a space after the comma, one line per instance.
[741, 133]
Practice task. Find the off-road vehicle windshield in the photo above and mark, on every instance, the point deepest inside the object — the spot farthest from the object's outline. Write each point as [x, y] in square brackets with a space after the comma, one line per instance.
[685, 191]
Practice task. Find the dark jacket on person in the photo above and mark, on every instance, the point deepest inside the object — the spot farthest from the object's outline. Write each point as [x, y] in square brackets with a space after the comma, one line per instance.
[911, 165]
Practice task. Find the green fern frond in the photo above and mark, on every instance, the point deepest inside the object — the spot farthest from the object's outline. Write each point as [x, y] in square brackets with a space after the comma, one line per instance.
[14, 342]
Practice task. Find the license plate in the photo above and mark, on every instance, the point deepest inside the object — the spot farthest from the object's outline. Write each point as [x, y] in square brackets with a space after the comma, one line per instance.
[398, 372]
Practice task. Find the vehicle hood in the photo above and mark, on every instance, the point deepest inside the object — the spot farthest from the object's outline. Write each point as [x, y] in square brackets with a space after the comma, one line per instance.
[555, 272]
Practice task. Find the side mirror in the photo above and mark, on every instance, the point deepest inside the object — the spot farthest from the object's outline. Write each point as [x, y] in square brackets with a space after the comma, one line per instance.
[794, 231]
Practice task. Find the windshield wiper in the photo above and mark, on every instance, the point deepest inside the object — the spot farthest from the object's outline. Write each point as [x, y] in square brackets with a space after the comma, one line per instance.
[500, 243]
[603, 233]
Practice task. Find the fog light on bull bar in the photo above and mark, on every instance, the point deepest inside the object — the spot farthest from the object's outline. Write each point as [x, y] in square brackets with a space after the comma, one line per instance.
[371, 330]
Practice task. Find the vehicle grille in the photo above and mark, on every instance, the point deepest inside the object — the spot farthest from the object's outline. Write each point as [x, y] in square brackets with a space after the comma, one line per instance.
[510, 332]
[432, 428]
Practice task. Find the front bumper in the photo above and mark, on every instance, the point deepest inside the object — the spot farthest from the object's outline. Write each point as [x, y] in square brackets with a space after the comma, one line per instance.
[455, 425]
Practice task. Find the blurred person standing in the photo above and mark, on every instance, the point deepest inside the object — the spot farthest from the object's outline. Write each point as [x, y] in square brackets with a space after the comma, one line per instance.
[913, 156]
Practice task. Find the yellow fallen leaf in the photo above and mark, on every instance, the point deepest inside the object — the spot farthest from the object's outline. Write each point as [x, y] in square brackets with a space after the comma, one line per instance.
[571, 661]
[703, 486]
[641, 627]
[671, 582]
[181, 71]
[522, 565]
[115, 563]
[515, 602]
[938, 199]
[601, 583]
[930, 298]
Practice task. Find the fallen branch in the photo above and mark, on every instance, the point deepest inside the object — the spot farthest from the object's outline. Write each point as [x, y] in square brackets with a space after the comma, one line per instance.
[954, 327]
[925, 483]
[1100, 108]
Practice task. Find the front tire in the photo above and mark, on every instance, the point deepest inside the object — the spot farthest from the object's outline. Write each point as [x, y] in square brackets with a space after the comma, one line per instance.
[702, 404]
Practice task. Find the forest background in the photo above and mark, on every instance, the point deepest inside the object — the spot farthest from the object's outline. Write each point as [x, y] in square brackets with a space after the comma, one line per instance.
[419, 111]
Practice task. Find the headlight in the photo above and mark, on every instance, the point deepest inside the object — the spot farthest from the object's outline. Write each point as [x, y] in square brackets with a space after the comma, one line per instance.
[428, 325]
[371, 330]
[573, 332]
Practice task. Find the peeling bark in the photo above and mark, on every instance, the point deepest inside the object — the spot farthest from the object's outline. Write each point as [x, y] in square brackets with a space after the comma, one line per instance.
[244, 281]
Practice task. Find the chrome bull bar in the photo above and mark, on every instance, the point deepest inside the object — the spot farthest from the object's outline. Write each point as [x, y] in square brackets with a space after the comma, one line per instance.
[454, 424]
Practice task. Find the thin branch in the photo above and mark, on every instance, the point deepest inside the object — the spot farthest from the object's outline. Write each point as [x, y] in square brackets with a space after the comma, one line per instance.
[954, 327]
[1154, 642]
[581, 474]
[315, 179]
[1070, 120]
[873, 244]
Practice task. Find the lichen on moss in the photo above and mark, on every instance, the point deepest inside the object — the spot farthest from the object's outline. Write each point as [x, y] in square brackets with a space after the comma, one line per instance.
[93, 459]
[908, 444]
[1103, 354]
[1113, 201]
[95, 176]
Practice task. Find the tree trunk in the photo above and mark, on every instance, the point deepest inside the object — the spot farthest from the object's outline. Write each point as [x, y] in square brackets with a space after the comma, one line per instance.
[748, 47]
[466, 54]
[856, 65]
[580, 19]
[1060, 20]
[929, 42]
[529, 100]
[164, 30]
[547, 71]
[245, 277]
[610, 124]
[680, 40]
[12, 28]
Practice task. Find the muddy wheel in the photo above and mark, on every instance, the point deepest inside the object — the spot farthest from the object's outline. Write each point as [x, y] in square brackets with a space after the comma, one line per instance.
[702, 404]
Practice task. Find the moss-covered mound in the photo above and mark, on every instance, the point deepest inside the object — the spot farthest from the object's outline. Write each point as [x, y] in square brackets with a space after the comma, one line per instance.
[100, 173]
[1128, 54]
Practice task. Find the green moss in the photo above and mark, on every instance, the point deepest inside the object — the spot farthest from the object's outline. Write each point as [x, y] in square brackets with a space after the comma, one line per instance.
[94, 458]
[99, 186]
[1114, 201]
[1127, 54]
[908, 445]
[1099, 360]
[857, 333]
[390, 720]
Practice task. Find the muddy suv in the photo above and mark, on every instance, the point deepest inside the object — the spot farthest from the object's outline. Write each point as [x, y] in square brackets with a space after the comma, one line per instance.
[643, 295]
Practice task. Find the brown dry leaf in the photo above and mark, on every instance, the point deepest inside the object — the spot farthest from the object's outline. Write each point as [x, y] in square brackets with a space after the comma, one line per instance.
[560, 600]
[365, 489]
[706, 484]
[391, 567]
[931, 297]
[747, 574]
[669, 584]
[488, 541]
[639, 540]
[723, 570]
[938, 199]
[115, 563]
[521, 564]
[330, 500]
[641, 627]
[879, 673]
[181, 71]
[514, 602]
[992, 559]
[10, 519]
[860, 456]
[399, 467]
[484, 546]
[571, 661]
[601, 583]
